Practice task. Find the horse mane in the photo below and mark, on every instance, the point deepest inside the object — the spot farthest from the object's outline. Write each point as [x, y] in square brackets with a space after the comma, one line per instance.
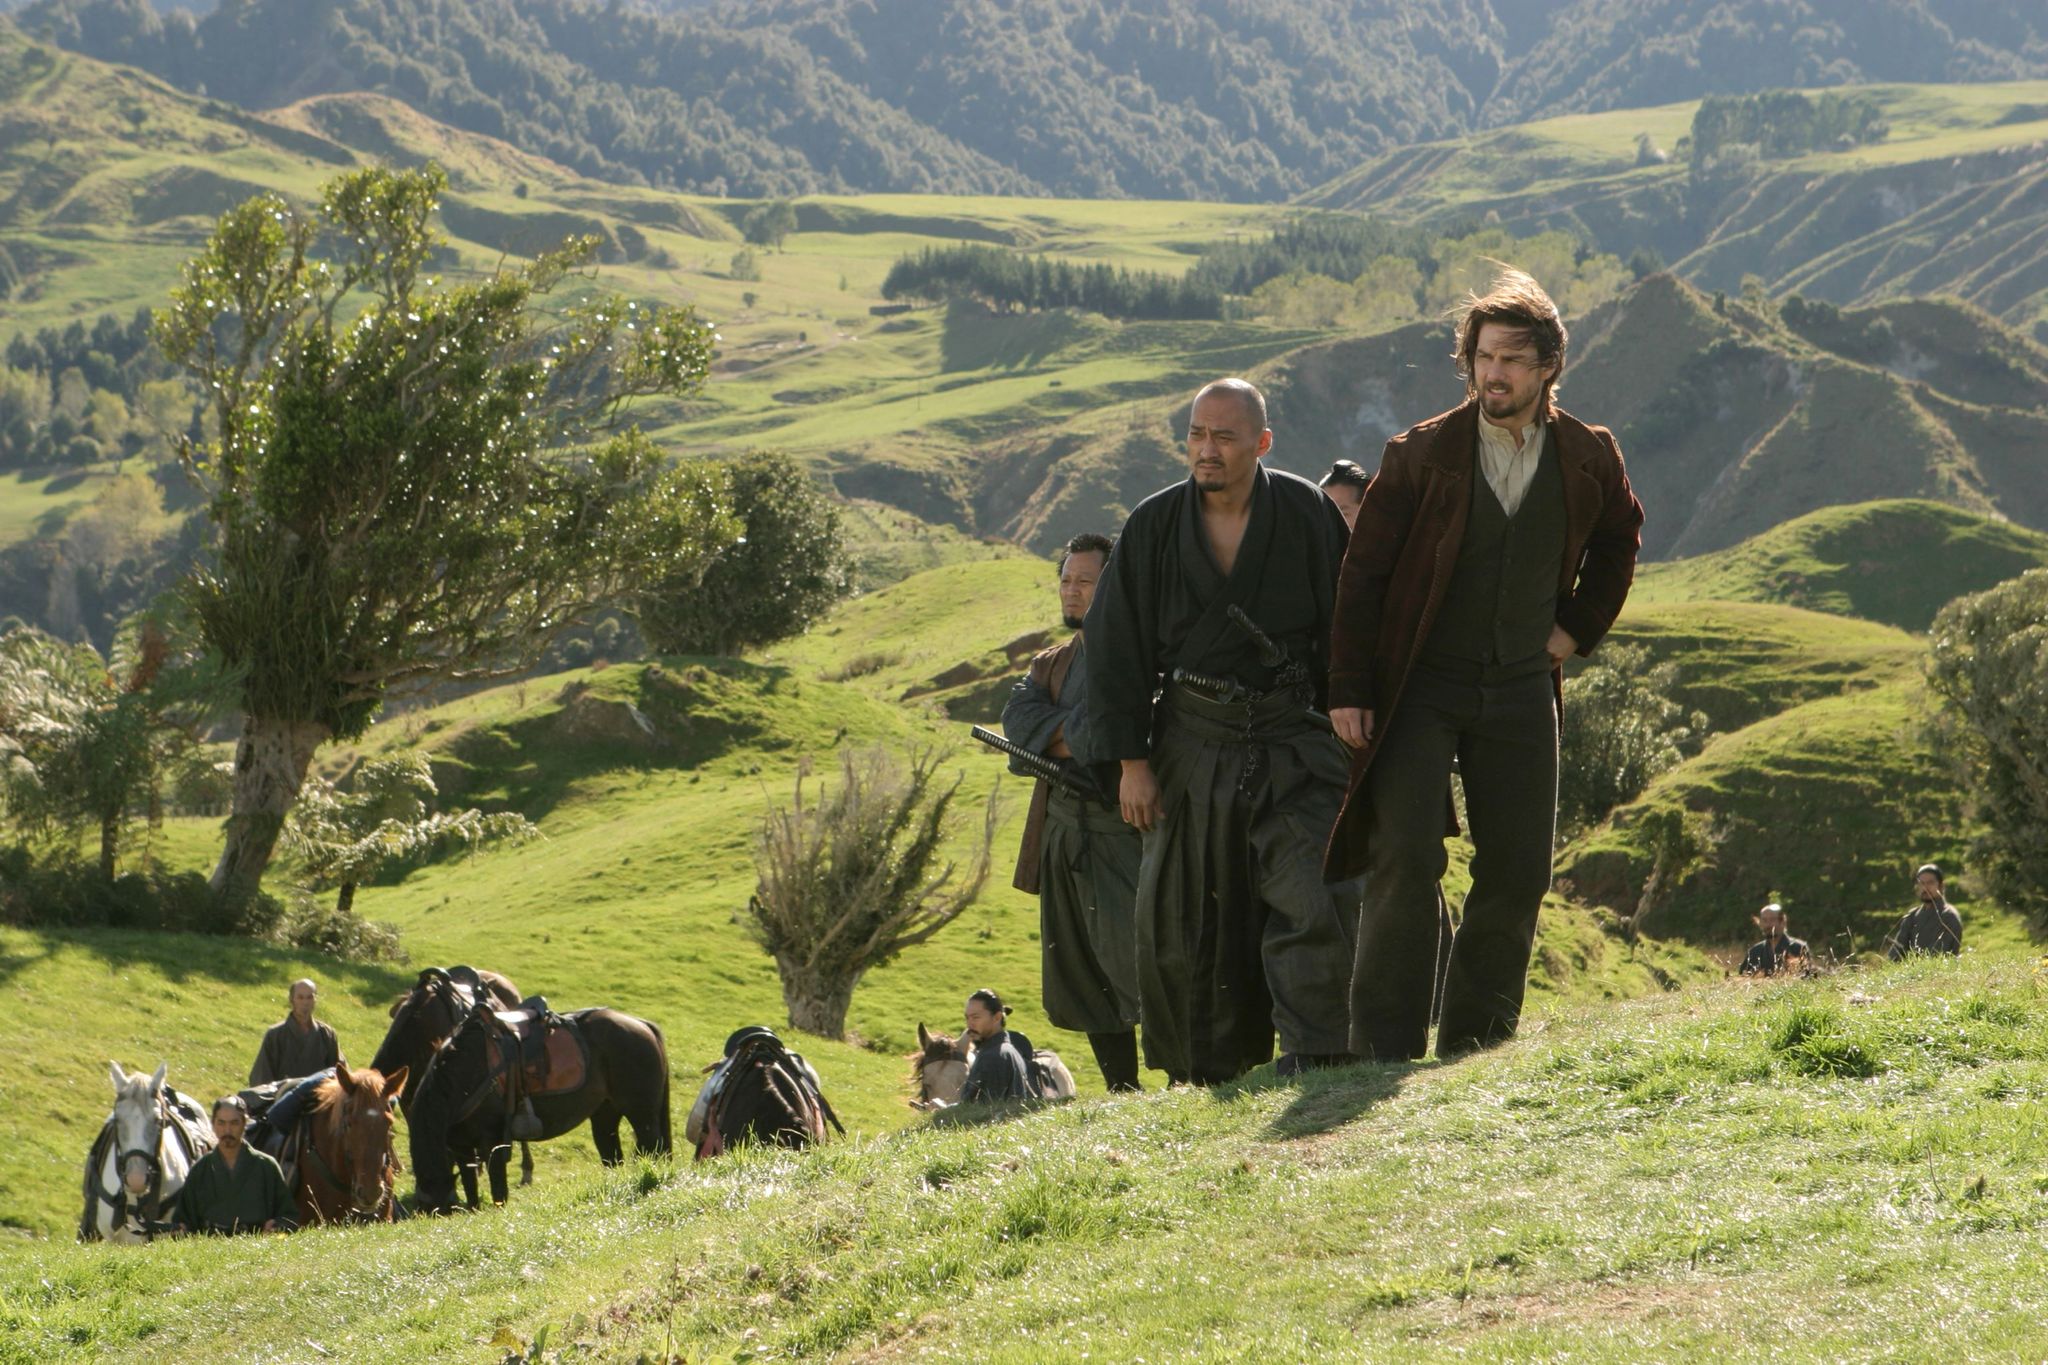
[943, 1047]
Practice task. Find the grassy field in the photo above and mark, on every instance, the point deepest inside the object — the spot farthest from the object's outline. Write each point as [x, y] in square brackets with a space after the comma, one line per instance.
[635, 896]
[1841, 1169]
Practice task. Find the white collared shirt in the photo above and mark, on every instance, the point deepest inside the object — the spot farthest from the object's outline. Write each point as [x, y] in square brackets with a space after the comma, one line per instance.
[1509, 468]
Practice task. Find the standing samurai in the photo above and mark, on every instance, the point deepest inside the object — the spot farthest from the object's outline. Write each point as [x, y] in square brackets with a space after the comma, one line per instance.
[1078, 856]
[1225, 770]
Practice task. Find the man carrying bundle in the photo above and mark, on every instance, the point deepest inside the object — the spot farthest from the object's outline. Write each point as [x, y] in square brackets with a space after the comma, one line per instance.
[1231, 774]
[1078, 856]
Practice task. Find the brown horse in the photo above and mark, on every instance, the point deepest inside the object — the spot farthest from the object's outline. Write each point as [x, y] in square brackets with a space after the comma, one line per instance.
[425, 1017]
[346, 1167]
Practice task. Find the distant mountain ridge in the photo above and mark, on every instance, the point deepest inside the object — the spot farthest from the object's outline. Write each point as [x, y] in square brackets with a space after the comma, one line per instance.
[1733, 417]
[1253, 100]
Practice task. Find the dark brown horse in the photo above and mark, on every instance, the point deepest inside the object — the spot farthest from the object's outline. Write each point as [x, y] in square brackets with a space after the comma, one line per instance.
[463, 1109]
[346, 1168]
[425, 1017]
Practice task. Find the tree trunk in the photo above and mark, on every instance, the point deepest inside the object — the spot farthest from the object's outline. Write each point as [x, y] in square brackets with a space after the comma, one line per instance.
[271, 759]
[110, 844]
[817, 1003]
[345, 900]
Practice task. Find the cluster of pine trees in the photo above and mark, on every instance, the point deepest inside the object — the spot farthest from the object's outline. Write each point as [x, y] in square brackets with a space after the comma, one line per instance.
[1010, 280]
[1783, 123]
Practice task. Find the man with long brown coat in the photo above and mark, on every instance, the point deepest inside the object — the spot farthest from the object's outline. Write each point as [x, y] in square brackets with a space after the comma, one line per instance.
[1495, 540]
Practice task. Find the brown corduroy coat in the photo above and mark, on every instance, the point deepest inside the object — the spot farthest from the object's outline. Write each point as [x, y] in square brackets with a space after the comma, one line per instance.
[1402, 554]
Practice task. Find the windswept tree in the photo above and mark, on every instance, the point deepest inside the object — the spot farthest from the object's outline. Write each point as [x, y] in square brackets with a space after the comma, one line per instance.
[788, 566]
[385, 820]
[854, 877]
[411, 481]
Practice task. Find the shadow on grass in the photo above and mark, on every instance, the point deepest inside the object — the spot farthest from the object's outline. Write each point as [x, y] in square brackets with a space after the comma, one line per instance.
[1325, 1100]
[230, 960]
[701, 708]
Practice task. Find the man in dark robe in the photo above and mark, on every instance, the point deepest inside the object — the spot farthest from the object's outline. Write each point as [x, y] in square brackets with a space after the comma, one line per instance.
[1778, 951]
[1495, 540]
[1345, 484]
[1225, 769]
[297, 1045]
[234, 1188]
[1002, 1067]
[1932, 926]
[1078, 856]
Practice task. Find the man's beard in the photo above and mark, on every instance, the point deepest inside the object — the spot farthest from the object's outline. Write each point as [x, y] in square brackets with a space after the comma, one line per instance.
[1498, 404]
[1070, 621]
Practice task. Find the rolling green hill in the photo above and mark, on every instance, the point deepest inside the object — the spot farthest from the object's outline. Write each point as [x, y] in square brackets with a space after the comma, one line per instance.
[1896, 562]
[1781, 1170]
[1949, 202]
[1176, 99]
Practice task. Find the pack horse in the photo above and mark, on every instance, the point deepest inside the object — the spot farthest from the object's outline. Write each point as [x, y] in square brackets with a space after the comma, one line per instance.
[139, 1162]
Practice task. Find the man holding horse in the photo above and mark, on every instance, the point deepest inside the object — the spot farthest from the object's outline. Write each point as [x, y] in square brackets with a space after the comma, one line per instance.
[234, 1188]
[1078, 856]
[299, 1044]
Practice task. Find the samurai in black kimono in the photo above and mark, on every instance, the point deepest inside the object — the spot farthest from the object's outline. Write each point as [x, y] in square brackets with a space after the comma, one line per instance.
[1238, 936]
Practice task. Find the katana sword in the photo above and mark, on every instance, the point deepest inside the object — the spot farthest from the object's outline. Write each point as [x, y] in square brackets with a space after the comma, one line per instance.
[1038, 765]
[1274, 655]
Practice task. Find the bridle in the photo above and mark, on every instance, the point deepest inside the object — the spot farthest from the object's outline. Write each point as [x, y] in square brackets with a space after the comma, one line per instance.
[149, 1204]
[347, 1109]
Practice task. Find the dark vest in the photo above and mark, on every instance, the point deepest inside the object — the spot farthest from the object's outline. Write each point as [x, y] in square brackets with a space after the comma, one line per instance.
[1502, 600]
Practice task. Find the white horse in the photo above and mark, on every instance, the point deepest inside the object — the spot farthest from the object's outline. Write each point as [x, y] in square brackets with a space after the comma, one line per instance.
[140, 1160]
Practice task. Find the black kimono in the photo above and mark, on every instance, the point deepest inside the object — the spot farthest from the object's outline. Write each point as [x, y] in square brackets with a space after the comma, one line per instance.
[1001, 1070]
[1087, 864]
[1237, 933]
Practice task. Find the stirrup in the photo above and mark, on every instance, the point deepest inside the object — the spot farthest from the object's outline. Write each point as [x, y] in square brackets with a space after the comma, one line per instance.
[525, 1123]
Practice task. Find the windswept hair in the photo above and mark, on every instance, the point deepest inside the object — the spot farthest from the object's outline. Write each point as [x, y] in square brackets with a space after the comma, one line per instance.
[1513, 300]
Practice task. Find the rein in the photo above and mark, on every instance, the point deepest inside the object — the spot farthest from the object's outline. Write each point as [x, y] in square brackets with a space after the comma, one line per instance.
[149, 1204]
[317, 1165]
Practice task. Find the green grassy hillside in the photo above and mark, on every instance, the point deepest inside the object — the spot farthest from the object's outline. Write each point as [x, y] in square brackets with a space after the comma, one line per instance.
[1895, 562]
[1826, 807]
[634, 896]
[1839, 1169]
[1949, 202]
[1742, 661]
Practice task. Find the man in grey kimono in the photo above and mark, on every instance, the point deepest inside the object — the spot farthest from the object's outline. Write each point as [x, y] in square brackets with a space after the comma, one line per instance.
[1078, 856]
[1226, 769]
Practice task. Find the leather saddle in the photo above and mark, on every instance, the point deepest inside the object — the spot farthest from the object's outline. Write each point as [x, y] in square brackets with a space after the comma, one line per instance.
[547, 1048]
